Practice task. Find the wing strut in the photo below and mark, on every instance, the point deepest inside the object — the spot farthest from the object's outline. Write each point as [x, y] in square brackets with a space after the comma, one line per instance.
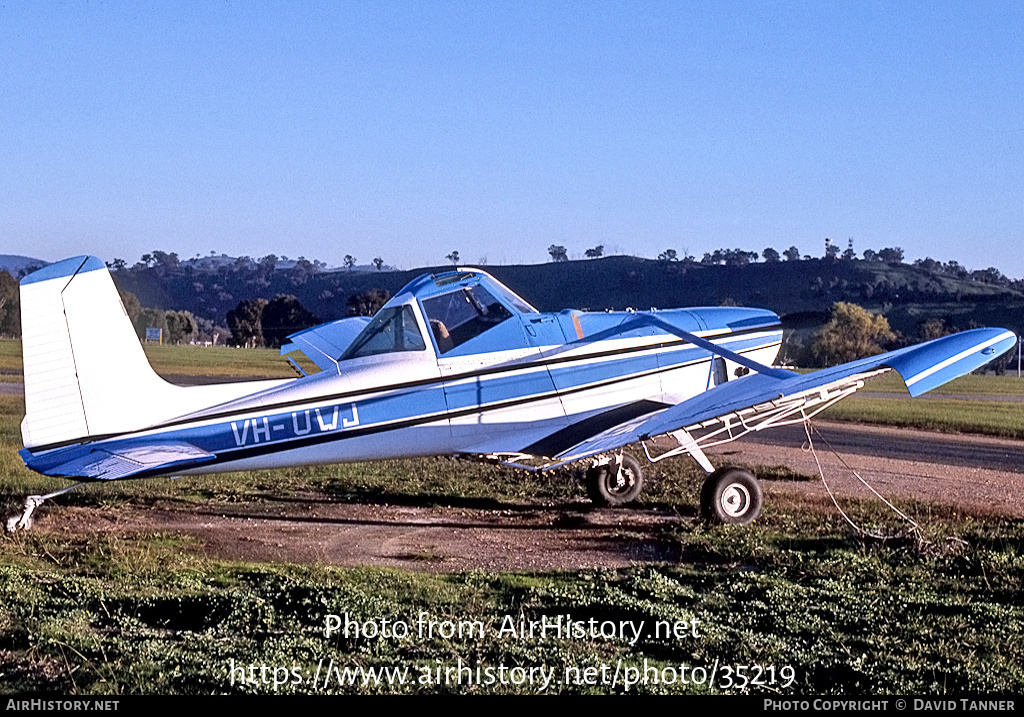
[688, 444]
[783, 411]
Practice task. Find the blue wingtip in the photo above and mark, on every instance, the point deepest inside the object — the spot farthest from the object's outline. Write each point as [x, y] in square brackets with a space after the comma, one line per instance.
[936, 362]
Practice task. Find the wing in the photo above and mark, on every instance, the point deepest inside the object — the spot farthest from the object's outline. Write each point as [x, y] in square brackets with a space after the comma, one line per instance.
[774, 397]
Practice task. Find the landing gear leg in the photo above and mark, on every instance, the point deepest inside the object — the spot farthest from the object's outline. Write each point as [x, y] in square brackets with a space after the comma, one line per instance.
[24, 521]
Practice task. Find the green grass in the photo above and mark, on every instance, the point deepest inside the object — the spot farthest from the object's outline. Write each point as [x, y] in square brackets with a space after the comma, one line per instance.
[88, 613]
[992, 418]
[10, 360]
[969, 385]
[211, 361]
[217, 361]
[149, 614]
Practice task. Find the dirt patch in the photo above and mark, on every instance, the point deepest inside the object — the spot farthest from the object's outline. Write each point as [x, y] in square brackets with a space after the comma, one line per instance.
[541, 536]
[958, 481]
[317, 529]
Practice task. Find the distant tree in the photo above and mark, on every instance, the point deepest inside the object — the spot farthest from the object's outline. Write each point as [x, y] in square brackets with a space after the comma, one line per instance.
[10, 306]
[730, 257]
[117, 265]
[350, 261]
[738, 257]
[849, 254]
[163, 260]
[131, 304]
[301, 271]
[208, 332]
[244, 264]
[770, 255]
[792, 254]
[453, 258]
[379, 263]
[245, 322]
[282, 316]
[892, 254]
[990, 275]
[28, 269]
[267, 265]
[668, 255]
[852, 333]
[953, 268]
[181, 327]
[366, 303]
[596, 253]
[305, 266]
[934, 328]
[558, 253]
[831, 250]
[151, 319]
[871, 255]
[928, 264]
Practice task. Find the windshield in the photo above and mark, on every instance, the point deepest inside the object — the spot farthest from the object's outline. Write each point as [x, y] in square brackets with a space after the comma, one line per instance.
[391, 330]
[458, 316]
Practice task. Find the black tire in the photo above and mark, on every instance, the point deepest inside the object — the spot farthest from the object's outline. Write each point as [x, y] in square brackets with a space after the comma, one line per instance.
[609, 488]
[731, 496]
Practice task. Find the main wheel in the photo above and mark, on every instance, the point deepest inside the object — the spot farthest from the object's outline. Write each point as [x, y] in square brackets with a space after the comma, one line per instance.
[609, 487]
[731, 495]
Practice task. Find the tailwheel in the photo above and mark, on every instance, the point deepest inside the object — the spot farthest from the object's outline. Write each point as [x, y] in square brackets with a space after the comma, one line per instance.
[615, 483]
[731, 495]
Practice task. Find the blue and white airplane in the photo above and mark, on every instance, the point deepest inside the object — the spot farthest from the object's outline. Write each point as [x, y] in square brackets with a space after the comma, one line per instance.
[454, 364]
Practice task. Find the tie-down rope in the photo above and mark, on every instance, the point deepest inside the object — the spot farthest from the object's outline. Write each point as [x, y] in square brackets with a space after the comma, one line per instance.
[821, 472]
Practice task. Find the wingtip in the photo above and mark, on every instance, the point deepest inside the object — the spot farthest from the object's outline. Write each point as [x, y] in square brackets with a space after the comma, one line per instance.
[963, 353]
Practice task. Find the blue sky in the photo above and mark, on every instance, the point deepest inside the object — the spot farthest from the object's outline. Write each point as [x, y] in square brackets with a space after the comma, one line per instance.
[407, 130]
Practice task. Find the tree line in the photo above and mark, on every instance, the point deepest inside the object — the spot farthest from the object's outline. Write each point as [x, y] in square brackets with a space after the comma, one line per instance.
[770, 255]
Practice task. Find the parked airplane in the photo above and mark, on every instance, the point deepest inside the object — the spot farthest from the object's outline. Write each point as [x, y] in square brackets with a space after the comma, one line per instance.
[454, 364]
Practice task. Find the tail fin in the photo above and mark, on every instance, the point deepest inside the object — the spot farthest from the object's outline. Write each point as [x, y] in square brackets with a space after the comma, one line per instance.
[85, 371]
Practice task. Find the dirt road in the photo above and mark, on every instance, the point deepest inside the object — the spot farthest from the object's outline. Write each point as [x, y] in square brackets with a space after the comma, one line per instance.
[566, 535]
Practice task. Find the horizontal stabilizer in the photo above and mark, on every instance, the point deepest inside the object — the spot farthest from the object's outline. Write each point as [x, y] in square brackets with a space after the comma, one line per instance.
[324, 344]
[90, 463]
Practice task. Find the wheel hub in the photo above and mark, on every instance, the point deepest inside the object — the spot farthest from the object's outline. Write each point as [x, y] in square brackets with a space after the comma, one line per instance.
[621, 480]
[735, 500]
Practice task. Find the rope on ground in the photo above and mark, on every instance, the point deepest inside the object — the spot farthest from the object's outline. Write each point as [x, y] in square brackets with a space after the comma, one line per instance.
[821, 472]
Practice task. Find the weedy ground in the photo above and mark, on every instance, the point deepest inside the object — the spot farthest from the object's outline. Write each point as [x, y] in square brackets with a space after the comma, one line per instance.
[817, 610]
[796, 604]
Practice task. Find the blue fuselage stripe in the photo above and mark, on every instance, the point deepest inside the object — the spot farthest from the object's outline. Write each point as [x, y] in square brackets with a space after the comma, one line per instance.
[255, 432]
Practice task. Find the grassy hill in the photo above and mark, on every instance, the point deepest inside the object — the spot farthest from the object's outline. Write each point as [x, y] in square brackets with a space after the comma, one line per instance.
[906, 294]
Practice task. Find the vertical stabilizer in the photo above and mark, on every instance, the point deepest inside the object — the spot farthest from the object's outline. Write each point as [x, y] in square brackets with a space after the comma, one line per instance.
[85, 371]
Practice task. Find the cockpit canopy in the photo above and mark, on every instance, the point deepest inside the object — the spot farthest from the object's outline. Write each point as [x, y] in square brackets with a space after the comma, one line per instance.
[455, 307]
[462, 314]
[392, 329]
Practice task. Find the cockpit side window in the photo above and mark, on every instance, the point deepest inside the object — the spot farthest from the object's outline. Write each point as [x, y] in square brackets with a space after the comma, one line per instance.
[458, 316]
[391, 330]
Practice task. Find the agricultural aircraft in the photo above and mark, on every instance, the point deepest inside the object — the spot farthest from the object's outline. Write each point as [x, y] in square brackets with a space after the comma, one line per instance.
[454, 364]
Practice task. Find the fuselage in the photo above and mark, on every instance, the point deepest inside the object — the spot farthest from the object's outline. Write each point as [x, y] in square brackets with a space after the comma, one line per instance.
[456, 363]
